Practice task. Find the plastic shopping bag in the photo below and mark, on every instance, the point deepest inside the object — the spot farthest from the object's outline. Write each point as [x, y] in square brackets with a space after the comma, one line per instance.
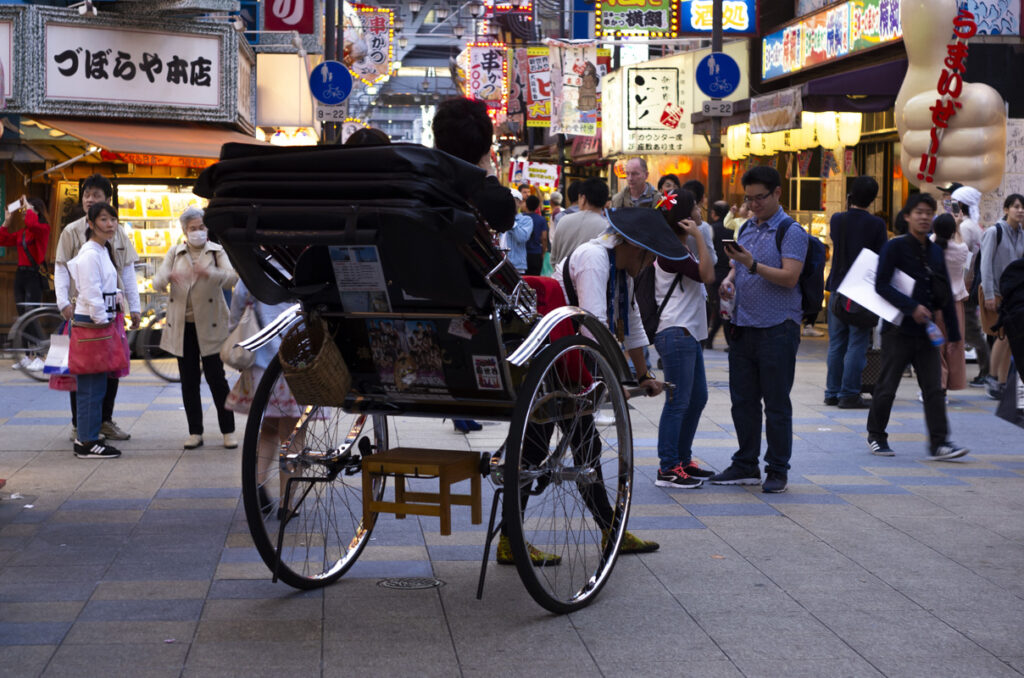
[57, 357]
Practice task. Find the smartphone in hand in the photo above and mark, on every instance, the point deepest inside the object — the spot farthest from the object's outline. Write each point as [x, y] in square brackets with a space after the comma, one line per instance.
[726, 242]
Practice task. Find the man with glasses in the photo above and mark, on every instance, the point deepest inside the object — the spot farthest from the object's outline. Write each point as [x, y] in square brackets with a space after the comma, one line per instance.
[637, 193]
[765, 332]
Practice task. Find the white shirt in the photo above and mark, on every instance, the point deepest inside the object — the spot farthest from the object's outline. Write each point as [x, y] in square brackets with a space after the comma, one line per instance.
[971, 233]
[95, 279]
[588, 268]
[686, 308]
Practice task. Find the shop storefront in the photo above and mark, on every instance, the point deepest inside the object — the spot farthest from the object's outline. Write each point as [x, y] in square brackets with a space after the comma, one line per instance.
[145, 103]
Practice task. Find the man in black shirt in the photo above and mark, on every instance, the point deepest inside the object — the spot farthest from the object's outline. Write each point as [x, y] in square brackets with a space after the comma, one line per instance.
[909, 342]
[851, 231]
[719, 233]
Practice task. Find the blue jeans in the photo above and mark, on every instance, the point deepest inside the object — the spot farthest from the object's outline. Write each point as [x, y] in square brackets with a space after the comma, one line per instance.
[89, 401]
[683, 362]
[847, 355]
[762, 364]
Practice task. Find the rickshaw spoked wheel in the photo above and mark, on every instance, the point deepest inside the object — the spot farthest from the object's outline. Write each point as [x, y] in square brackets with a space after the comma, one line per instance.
[574, 474]
[313, 461]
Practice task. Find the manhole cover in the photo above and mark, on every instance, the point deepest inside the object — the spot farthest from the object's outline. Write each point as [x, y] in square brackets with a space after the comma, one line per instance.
[410, 583]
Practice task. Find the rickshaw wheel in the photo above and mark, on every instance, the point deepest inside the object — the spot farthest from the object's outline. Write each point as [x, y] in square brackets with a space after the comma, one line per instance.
[569, 471]
[317, 467]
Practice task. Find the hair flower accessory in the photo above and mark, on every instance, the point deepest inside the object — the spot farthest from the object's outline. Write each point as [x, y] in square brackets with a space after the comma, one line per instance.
[667, 201]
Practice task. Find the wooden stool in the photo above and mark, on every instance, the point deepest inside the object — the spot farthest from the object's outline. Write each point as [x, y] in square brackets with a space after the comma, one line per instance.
[448, 466]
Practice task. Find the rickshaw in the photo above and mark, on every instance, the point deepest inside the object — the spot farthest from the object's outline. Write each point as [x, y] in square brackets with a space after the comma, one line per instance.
[406, 308]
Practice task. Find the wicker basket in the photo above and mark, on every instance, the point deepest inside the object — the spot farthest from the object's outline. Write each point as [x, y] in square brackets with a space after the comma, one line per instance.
[312, 365]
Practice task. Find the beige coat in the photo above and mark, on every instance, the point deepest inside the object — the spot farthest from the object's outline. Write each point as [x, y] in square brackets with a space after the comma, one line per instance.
[209, 309]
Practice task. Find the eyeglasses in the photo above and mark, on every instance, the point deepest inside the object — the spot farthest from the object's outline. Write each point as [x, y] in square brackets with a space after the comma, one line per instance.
[757, 198]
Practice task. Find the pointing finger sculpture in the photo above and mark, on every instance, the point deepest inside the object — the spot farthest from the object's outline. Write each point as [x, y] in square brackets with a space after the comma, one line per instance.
[950, 130]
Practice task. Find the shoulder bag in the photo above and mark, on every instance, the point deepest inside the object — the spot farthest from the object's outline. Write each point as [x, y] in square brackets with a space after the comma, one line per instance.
[98, 347]
[235, 356]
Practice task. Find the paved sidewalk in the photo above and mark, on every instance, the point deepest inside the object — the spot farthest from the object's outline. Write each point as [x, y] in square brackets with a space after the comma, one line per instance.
[868, 566]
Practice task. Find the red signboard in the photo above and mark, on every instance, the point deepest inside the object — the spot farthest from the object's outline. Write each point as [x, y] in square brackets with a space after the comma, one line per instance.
[288, 15]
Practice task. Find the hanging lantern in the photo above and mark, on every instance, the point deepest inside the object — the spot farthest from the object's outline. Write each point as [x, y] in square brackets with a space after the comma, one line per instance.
[808, 139]
[758, 144]
[827, 128]
[731, 143]
[849, 128]
[775, 141]
[743, 139]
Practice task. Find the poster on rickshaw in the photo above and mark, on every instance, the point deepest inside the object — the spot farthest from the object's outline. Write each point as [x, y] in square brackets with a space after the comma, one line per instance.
[574, 87]
[538, 96]
[407, 356]
[360, 279]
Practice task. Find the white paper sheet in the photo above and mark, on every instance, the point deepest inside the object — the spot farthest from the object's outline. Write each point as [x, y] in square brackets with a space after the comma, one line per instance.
[859, 285]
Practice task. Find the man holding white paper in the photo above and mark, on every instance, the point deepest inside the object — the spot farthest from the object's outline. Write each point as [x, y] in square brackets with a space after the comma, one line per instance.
[910, 342]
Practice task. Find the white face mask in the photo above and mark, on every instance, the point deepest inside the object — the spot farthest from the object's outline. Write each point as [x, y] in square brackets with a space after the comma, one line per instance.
[196, 238]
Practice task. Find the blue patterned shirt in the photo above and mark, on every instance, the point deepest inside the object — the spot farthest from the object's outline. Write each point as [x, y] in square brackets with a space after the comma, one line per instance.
[760, 303]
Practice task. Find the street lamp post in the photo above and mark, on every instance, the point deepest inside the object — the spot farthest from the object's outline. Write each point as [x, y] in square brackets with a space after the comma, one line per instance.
[715, 141]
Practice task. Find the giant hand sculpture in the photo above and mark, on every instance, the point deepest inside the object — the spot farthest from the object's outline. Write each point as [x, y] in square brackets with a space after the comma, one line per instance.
[972, 150]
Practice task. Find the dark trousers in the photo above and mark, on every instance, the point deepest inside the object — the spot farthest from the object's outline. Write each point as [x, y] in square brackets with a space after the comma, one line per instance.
[586, 451]
[762, 366]
[189, 366]
[534, 263]
[898, 350]
[28, 292]
[973, 334]
[108, 402]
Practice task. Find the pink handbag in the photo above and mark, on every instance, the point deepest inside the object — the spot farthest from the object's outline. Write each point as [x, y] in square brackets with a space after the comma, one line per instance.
[97, 348]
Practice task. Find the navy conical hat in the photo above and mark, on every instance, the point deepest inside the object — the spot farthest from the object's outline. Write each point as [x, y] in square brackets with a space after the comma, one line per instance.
[647, 228]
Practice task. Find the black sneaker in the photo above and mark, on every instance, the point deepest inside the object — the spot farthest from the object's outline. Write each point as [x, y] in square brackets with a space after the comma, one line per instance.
[947, 450]
[856, 402]
[678, 478]
[978, 382]
[736, 476]
[774, 482]
[696, 471]
[993, 389]
[95, 450]
[880, 448]
[831, 401]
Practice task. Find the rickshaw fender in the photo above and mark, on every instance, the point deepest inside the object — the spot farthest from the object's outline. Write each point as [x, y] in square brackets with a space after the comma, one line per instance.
[535, 341]
[275, 327]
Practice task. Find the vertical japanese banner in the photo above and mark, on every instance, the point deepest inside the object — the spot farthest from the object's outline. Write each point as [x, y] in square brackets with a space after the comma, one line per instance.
[538, 99]
[488, 75]
[288, 15]
[518, 85]
[373, 51]
[574, 83]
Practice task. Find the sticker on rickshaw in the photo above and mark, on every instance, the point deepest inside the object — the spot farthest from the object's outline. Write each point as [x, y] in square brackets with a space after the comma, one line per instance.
[488, 376]
[360, 279]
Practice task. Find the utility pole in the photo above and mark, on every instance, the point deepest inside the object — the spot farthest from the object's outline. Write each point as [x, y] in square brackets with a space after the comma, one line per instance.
[328, 130]
[715, 141]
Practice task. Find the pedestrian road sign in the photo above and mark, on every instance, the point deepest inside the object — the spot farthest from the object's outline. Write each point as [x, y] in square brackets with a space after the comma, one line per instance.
[718, 75]
[330, 82]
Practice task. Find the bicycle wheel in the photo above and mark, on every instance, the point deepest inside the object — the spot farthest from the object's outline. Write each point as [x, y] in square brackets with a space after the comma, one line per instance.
[31, 332]
[147, 346]
[313, 462]
[574, 477]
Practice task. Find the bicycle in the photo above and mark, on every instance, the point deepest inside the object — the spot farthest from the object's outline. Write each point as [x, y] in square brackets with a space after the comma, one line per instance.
[30, 335]
[147, 343]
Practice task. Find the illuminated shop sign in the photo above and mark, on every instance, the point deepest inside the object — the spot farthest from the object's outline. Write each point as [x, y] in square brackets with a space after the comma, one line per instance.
[641, 18]
[739, 17]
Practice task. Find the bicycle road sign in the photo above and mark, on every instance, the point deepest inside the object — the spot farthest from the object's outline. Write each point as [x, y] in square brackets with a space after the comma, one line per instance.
[718, 75]
[330, 83]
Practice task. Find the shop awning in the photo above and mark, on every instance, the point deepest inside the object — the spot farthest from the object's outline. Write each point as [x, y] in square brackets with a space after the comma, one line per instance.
[184, 141]
[867, 90]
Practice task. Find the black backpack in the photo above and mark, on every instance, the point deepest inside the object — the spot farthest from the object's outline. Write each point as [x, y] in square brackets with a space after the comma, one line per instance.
[812, 276]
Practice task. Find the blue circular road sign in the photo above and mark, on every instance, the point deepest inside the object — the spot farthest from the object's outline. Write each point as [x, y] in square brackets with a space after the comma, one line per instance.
[330, 83]
[718, 75]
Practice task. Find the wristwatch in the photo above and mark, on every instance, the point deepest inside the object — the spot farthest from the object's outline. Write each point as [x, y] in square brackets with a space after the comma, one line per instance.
[649, 375]
[753, 266]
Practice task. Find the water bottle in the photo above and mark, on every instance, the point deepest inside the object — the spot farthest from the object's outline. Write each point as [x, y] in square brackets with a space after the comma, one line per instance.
[935, 334]
[727, 306]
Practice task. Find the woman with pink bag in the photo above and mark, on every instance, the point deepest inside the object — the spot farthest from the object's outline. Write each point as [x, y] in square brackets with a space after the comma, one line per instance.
[98, 302]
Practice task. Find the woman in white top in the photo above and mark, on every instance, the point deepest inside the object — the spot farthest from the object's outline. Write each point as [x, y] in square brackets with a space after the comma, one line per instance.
[954, 362]
[98, 300]
[682, 328]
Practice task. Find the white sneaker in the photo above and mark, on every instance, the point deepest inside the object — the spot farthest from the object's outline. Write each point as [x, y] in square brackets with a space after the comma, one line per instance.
[230, 441]
[36, 365]
[21, 363]
[193, 441]
[812, 331]
[604, 419]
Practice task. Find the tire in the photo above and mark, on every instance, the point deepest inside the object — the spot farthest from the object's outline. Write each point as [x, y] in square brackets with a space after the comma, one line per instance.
[31, 334]
[550, 510]
[326, 535]
[147, 346]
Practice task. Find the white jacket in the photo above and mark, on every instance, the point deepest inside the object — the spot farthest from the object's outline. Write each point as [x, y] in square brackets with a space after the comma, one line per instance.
[95, 279]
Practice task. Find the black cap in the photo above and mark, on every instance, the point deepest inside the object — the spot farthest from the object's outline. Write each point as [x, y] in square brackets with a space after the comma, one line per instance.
[646, 228]
[950, 187]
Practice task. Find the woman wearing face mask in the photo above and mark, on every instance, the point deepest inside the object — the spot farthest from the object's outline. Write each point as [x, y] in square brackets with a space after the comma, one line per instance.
[197, 322]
